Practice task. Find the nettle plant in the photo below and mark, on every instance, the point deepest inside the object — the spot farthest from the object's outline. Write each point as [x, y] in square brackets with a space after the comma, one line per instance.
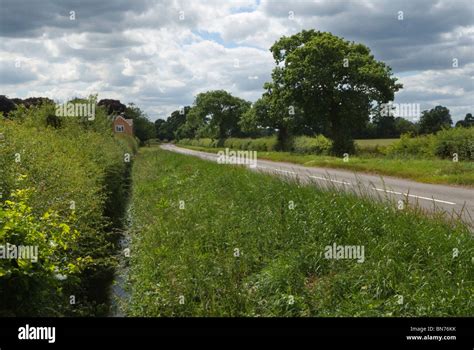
[51, 234]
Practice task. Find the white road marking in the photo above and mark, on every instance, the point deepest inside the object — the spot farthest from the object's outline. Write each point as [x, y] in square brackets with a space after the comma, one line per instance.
[280, 170]
[414, 196]
[285, 171]
[325, 179]
[387, 191]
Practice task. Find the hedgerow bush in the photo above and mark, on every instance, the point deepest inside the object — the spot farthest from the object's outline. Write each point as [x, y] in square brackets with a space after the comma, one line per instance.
[77, 170]
[264, 144]
[456, 140]
[443, 145]
[237, 143]
[132, 143]
[260, 144]
[204, 142]
[301, 144]
[312, 145]
[409, 146]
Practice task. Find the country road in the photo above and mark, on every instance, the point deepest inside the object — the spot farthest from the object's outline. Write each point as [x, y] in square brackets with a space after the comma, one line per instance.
[450, 199]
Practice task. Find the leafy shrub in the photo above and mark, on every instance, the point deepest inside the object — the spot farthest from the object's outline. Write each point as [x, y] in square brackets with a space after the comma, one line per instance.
[264, 144]
[456, 140]
[443, 144]
[207, 143]
[129, 142]
[312, 145]
[56, 257]
[421, 146]
[237, 143]
[204, 142]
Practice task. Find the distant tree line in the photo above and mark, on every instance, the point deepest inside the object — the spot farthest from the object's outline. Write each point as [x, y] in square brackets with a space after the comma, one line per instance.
[430, 121]
[321, 84]
[183, 124]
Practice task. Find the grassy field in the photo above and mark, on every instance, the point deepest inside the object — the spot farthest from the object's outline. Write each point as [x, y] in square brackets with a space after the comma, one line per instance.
[217, 240]
[437, 171]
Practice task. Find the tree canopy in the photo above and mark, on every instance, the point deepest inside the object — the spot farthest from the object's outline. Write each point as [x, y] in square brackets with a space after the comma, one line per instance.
[144, 129]
[112, 106]
[435, 119]
[467, 122]
[327, 84]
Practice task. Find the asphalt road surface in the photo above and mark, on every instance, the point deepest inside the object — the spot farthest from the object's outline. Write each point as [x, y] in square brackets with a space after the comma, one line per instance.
[453, 200]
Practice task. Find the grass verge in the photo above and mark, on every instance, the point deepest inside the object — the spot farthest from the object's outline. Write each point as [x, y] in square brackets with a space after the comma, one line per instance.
[218, 240]
[436, 171]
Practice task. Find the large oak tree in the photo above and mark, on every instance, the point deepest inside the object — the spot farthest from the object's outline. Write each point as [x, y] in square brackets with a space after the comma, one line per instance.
[328, 84]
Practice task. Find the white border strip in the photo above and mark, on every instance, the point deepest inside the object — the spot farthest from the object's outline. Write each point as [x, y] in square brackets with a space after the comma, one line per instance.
[414, 196]
[325, 179]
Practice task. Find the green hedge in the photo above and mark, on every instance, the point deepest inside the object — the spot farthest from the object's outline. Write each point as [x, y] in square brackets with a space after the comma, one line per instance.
[443, 145]
[264, 144]
[79, 174]
[457, 140]
[301, 144]
[199, 142]
[312, 145]
[408, 146]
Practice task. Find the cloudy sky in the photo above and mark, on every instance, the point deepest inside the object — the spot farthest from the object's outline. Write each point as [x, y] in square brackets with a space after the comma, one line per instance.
[160, 54]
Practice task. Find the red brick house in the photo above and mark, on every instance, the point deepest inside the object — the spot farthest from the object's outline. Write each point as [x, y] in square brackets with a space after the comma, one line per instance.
[122, 125]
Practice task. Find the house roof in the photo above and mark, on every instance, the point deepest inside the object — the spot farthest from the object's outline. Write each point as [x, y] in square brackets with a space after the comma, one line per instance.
[129, 121]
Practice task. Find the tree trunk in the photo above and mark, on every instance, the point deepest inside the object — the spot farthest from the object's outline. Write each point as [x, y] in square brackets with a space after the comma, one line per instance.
[283, 139]
[340, 135]
[222, 137]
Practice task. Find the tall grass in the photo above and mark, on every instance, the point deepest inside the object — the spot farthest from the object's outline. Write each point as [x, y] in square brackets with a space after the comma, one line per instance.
[237, 248]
